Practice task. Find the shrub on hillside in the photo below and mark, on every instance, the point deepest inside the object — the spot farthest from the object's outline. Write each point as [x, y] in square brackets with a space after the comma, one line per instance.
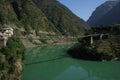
[12, 52]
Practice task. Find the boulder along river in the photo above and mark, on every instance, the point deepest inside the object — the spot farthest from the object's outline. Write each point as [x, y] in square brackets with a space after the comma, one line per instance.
[50, 62]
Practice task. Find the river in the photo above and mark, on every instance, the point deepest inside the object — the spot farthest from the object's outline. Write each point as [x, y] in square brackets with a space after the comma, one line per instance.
[49, 62]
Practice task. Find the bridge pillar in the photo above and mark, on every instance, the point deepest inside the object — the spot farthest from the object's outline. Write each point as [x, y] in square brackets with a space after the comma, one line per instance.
[5, 41]
[101, 36]
[91, 40]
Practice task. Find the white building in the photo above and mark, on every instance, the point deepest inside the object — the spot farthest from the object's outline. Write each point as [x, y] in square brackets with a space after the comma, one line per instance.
[5, 33]
[8, 31]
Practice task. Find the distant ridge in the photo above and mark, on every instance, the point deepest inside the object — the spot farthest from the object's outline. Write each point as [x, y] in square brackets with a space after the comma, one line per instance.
[101, 11]
[112, 17]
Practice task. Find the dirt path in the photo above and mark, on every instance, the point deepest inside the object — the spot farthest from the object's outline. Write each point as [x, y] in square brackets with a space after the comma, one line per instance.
[27, 43]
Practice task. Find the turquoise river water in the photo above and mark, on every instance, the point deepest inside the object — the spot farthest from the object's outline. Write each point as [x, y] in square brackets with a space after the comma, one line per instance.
[49, 62]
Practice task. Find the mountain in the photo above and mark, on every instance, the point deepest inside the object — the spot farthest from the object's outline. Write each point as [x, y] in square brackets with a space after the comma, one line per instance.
[111, 18]
[25, 16]
[40, 18]
[63, 19]
[101, 11]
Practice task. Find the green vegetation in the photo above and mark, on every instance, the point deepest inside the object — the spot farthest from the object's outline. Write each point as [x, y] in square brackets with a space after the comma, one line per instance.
[100, 50]
[9, 57]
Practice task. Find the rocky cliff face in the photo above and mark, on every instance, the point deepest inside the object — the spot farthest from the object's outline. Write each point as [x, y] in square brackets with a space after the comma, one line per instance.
[101, 11]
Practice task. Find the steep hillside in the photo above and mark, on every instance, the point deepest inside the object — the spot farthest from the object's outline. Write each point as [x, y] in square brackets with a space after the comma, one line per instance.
[40, 18]
[26, 15]
[100, 11]
[63, 19]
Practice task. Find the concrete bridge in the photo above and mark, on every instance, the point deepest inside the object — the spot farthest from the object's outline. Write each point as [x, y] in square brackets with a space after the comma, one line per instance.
[88, 38]
[91, 38]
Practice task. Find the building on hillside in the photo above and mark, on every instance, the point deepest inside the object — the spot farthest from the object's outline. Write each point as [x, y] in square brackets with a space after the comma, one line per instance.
[5, 33]
[8, 31]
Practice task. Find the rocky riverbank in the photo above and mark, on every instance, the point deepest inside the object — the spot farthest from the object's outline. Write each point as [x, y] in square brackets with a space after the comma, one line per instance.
[101, 50]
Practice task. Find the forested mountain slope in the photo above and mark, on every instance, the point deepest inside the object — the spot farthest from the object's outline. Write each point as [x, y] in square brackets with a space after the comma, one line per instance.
[42, 18]
[63, 19]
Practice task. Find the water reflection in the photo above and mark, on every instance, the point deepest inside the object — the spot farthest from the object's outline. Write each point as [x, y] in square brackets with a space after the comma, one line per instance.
[44, 61]
[76, 73]
[72, 73]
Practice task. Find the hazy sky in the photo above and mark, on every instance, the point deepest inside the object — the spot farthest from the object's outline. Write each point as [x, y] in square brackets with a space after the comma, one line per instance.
[82, 8]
